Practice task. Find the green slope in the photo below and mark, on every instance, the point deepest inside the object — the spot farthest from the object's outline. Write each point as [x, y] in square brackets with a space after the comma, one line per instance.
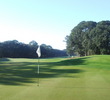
[85, 78]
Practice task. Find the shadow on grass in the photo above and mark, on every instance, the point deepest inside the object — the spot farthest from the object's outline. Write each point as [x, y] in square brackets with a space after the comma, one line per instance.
[18, 73]
[77, 61]
[4, 59]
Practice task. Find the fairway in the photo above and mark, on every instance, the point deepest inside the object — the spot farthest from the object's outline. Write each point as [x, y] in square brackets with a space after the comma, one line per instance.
[84, 78]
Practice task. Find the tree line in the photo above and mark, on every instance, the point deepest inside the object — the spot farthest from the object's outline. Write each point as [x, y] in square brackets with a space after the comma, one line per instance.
[16, 49]
[89, 38]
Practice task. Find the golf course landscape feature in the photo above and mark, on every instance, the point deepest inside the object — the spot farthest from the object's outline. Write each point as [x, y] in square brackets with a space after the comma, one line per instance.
[83, 78]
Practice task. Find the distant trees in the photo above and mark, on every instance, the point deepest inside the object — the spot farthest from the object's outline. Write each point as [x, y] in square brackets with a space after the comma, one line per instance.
[89, 38]
[16, 49]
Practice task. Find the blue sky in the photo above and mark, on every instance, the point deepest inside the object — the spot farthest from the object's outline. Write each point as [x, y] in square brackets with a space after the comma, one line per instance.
[47, 21]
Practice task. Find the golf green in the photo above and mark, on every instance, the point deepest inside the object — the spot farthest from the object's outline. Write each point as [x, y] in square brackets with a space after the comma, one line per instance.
[84, 78]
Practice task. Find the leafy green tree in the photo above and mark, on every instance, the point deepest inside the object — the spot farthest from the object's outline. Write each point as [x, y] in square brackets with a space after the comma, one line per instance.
[101, 37]
[79, 37]
[15, 49]
[1, 50]
[89, 37]
[33, 43]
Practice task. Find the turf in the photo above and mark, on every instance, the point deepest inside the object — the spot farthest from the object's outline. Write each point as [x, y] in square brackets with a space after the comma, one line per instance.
[85, 78]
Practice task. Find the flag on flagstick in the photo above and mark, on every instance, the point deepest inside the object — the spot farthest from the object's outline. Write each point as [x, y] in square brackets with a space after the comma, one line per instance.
[38, 52]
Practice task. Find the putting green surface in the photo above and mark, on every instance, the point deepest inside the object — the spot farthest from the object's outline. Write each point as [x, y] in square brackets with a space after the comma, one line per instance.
[85, 78]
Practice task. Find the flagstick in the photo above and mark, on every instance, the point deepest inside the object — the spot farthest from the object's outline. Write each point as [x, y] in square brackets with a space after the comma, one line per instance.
[38, 71]
[39, 54]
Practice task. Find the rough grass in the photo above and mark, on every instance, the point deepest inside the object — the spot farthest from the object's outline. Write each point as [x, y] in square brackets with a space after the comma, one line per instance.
[85, 78]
